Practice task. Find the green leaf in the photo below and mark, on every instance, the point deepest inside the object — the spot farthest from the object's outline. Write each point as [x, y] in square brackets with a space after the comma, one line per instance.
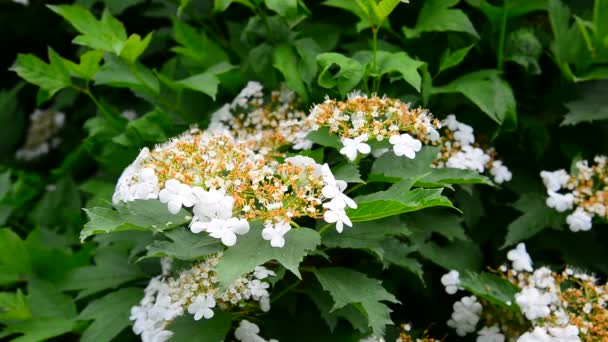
[13, 306]
[436, 220]
[397, 253]
[135, 215]
[135, 46]
[346, 78]
[206, 330]
[60, 207]
[45, 300]
[222, 5]
[398, 199]
[51, 77]
[384, 8]
[112, 269]
[487, 91]
[492, 288]
[367, 235]
[184, 245]
[324, 303]
[398, 64]
[40, 329]
[89, 64]
[205, 83]
[324, 138]
[348, 173]
[347, 286]
[110, 314]
[106, 34]
[353, 7]
[436, 16]
[590, 106]
[308, 50]
[450, 59]
[285, 8]
[458, 255]
[11, 135]
[196, 46]
[525, 49]
[284, 59]
[251, 251]
[391, 165]
[116, 72]
[537, 216]
[514, 9]
[14, 258]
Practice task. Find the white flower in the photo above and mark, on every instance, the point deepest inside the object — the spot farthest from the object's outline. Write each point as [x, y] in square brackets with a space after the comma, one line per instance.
[579, 220]
[520, 258]
[568, 333]
[490, 334]
[336, 214]
[500, 172]
[534, 303]
[262, 272]
[22, 2]
[176, 195]
[201, 307]
[265, 304]
[275, 234]
[451, 281]
[354, 146]
[464, 134]
[555, 180]
[212, 204]
[539, 334]
[334, 188]
[225, 230]
[451, 122]
[542, 278]
[247, 332]
[258, 289]
[560, 202]
[157, 335]
[465, 316]
[405, 145]
[469, 158]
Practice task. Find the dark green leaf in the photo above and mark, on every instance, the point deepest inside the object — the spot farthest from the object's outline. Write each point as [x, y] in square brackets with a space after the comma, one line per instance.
[184, 245]
[436, 15]
[14, 258]
[205, 330]
[592, 105]
[450, 59]
[459, 255]
[346, 78]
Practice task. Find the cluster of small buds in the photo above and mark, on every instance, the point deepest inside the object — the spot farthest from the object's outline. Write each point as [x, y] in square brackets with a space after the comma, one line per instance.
[406, 335]
[459, 150]
[249, 332]
[584, 193]
[44, 125]
[227, 185]
[451, 281]
[360, 119]
[466, 315]
[195, 290]
[553, 307]
[267, 122]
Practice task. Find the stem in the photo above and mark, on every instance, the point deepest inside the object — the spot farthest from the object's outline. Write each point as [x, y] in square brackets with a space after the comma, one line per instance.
[501, 38]
[324, 228]
[294, 224]
[354, 188]
[376, 82]
[286, 290]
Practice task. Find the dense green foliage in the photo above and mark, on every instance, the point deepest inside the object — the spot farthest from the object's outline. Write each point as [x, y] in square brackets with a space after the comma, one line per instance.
[530, 76]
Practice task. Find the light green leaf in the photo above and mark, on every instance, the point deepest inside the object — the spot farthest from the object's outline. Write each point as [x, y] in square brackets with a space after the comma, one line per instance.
[487, 91]
[205, 83]
[51, 77]
[205, 330]
[40, 329]
[110, 314]
[135, 215]
[251, 251]
[349, 74]
[491, 287]
[112, 269]
[222, 5]
[351, 6]
[284, 59]
[450, 59]
[116, 72]
[398, 64]
[135, 46]
[324, 138]
[515, 8]
[384, 8]
[347, 286]
[590, 106]
[308, 50]
[437, 16]
[459, 255]
[14, 258]
[285, 8]
[184, 245]
[537, 216]
[398, 199]
[89, 64]
[45, 300]
[13, 306]
[367, 235]
[348, 173]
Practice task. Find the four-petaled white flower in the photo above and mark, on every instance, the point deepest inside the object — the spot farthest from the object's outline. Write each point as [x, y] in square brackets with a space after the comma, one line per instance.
[500, 172]
[354, 146]
[336, 214]
[520, 258]
[451, 281]
[176, 195]
[405, 145]
[258, 289]
[226, 230]
[262, 272]
[201, 307]
[275, 233]
[579, 220]
[212, 204]
[247, 331]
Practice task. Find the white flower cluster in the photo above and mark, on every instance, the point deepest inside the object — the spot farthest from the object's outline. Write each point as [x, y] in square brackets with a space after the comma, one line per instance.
[44, 124]
[227, 185]
[460, 151]
[248, 332]
[466, 315]
[585, 192]
[196, 291]
[451, 281]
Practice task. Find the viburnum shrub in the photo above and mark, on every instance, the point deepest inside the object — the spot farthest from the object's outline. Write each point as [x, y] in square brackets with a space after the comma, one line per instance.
[290, 170]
